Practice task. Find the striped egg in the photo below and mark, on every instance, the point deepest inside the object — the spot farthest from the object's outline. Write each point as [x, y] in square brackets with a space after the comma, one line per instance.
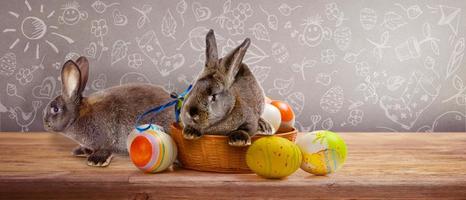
[324, 152]
[273, 157]
[151, 150]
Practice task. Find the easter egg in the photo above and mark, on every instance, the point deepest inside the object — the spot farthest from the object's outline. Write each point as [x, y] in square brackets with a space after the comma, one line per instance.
[286, 112]
[151, 150]
[273, 157]
[324, 152]
[272, 115]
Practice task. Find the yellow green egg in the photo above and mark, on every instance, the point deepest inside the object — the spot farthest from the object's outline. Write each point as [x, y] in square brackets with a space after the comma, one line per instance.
[273, 157]
[324, 152]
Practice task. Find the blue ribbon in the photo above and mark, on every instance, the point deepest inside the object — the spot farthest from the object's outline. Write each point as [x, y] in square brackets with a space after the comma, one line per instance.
[178, 102]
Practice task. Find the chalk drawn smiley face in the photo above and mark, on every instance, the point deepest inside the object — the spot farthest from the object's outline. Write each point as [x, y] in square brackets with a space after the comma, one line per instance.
[313, 32]
[71, 16]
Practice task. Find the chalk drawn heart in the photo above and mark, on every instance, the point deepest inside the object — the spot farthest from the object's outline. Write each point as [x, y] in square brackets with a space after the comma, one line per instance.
[46, 89]
[201, 13]
[91, 50]
[118, 18]
[171, 63]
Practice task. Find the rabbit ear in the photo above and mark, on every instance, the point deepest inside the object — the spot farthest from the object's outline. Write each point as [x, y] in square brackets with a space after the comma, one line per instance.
[211, 52]
[71, 80]
[231, 63]
[83, 65]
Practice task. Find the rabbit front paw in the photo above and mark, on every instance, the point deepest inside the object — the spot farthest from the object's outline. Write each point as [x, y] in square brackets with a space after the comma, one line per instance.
[239, 138]
[100, 158]
[81, 151]
[191, 133]
[264, 127]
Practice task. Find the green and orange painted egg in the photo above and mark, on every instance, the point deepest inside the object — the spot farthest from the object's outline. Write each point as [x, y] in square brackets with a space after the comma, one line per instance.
[324, 152]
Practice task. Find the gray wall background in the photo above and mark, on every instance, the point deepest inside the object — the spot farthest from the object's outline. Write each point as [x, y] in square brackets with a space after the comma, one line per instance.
[344, 65]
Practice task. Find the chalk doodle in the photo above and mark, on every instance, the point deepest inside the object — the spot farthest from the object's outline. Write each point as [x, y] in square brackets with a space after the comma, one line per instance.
[354, 118]
[91, 50]
[280, 52]
[233, 19]
[8, 64]
[333, 12]
[272, 20]
[72, 14]
[99, 83]
[410, 49]
[12, 90]
[327, 56]
[315, 119]
[377, 51]
[168, 25]
[34, 28]
[393, 21]
[418, 96]
[456, 58]
[260, 32]
[201, 13]
[181, 8]
[443, 122]
[26, 74]
[283, 86]
[449, 16]
[144, 12]
[286, 10]
[327, 124]
[25, 119]
[119, 19]
[99, 29]
[133, 77]
[395, 82]
[135, 60]
[305, 64]
[119, 51]
[150, 46]
[313, 32]
[332, 100]
[351, 57]
[45, 90]
[368, 18]
[324, 78]
[413, 12]
[460, 88]
[100, 6]
[342, 37]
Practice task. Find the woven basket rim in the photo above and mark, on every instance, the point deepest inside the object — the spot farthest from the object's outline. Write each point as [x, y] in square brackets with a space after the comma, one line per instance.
[223, 137]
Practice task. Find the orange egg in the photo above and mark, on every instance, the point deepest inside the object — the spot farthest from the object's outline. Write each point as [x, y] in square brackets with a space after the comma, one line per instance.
[141, 151]
[285, 110]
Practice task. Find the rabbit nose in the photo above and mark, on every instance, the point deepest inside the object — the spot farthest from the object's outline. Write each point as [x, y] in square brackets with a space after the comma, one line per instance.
[194, 113]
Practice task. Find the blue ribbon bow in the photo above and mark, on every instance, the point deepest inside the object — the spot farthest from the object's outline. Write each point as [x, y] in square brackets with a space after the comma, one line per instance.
[178, 102]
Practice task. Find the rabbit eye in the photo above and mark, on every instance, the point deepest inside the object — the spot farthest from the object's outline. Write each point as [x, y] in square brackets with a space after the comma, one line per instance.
[54, 109]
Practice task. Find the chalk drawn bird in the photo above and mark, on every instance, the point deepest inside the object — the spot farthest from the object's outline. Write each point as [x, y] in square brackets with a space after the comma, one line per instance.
[24, 119]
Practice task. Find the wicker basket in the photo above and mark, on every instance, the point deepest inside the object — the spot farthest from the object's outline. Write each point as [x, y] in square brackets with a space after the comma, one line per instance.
[212, 152]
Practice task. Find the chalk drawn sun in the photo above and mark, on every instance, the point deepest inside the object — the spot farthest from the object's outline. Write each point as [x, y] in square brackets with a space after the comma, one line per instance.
[35, 31]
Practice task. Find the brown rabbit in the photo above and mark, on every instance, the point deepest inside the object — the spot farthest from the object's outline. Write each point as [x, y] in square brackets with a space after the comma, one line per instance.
[101, 122]
[226, 98]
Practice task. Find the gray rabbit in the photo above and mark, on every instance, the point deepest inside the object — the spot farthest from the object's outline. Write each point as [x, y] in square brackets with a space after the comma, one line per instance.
[226, 98]
[101, 122]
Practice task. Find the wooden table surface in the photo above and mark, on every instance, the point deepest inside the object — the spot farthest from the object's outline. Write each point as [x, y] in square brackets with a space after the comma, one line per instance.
[379, 165]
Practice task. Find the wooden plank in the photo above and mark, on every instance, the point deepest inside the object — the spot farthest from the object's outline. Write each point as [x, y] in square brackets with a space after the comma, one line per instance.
[379, 165]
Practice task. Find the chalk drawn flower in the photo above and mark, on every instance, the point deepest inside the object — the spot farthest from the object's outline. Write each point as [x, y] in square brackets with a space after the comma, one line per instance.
[99, 28]
[355, 117]
[327, 56]
[24, 76]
